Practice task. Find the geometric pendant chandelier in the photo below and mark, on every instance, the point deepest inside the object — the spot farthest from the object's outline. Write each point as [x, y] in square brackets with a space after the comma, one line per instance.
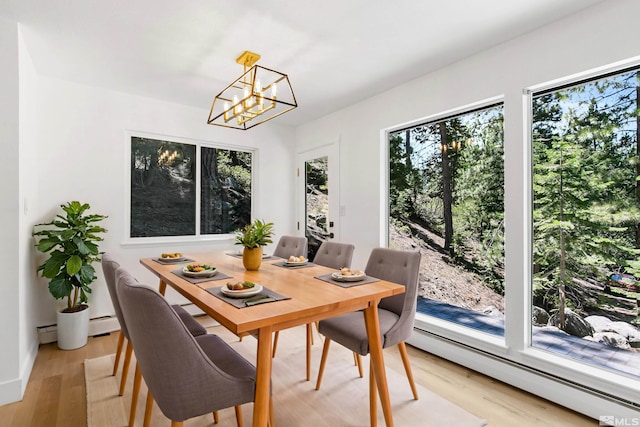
[257, 96]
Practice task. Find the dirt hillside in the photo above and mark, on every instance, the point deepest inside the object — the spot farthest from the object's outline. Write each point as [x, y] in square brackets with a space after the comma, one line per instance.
[441, 280]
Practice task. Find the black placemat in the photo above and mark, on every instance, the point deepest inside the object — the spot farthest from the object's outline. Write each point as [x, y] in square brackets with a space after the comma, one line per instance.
[284, 264]
[242, 302]
[327, 278]
[237, 255]
[172, 260]
[218, 276]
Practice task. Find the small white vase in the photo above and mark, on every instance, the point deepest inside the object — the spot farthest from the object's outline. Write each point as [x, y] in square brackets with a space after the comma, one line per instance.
[73, 329]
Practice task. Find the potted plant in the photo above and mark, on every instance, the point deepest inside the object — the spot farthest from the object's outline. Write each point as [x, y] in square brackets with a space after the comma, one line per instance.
[253, 237]
[70, 241]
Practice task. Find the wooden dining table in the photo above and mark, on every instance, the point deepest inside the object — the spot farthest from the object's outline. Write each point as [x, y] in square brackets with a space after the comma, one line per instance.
[310, 300]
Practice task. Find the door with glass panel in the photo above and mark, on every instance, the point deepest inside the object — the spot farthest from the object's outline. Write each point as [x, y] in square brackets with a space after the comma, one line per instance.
[318, 195]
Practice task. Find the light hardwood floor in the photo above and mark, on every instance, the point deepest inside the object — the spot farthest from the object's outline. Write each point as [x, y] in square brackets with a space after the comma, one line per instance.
[55, 395]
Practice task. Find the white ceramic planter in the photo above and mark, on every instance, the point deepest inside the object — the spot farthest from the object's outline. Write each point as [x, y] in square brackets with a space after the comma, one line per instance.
[73, 329]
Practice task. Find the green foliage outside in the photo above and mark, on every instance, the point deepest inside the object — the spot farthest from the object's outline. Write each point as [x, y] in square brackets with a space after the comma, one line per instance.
[585, 196]
[469, 148]
[163, 189]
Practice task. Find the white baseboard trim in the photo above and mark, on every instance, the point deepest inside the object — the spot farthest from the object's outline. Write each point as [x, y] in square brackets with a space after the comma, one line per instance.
[13, 391]
[98, 326]
[579, 399]
[107, 324]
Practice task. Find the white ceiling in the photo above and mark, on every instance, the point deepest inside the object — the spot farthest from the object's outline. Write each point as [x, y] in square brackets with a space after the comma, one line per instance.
[335, 52]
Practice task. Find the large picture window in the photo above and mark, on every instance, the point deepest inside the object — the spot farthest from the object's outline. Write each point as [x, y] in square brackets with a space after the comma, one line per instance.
[586, 220]
[187, 189]
[446, 197]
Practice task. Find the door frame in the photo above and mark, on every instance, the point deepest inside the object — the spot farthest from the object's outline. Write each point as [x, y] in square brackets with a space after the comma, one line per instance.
[332, 152]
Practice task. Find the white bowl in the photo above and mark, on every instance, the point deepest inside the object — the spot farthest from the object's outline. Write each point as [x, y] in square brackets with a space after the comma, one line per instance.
[351, 278]
[241, 293]
[199, 274]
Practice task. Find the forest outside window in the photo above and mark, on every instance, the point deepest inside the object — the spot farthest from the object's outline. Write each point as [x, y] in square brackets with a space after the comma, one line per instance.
[446, 197]
[187, 189]
[586, 219]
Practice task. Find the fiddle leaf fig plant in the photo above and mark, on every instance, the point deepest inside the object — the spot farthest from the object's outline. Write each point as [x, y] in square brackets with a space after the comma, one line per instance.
[71, 242]
[255, 235]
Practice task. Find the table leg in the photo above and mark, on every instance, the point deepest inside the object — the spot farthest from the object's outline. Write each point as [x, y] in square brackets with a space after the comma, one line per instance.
[309, 341]
[377, 360]
[162, 288]
[263, 378]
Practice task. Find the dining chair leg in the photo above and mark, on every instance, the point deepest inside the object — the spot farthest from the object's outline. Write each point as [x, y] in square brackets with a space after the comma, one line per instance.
[373, 401]
[216, 417]
[118, 352]
[271, 421]
[407, 367]
[358, 362]
[239, 415]
[323, 361]
[125, 367]
[275, 343]
[137, 379]
[177, 423]
[148, 409]
[309, 344]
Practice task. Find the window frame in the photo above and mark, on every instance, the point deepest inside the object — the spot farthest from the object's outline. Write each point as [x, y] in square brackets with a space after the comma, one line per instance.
[197, 237]
[605, 381]
[460, 333]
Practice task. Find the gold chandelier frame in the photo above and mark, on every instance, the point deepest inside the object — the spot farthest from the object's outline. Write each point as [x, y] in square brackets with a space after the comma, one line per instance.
[257, 96]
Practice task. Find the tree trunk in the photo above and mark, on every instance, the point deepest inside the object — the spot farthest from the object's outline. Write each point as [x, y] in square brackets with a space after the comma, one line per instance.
[409, 165]
[208, 190]
[447, 197]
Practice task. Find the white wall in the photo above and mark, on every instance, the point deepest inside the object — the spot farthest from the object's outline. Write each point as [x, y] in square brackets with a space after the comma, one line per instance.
[9, 239]
[598, 36]
[27, 188]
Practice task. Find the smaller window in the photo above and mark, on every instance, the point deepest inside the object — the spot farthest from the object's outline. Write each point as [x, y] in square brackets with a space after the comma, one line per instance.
[187, 189]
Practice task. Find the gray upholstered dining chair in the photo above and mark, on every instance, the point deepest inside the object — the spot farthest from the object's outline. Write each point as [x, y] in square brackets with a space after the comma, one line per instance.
[291, 246]
[109, 266]
[187, 376]
[333, 255]
[396, 314]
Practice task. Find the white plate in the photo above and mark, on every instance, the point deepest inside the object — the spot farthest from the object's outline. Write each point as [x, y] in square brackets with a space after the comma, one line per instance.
[198, 274]
[244, 293]
[291, 263]
[179, 259]
[353, 278]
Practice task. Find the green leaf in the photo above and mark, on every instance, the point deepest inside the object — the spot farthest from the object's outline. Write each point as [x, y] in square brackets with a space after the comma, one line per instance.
[87, 274]
[82, 246]
[45, 245]
[51, 268]
[74, 264]
[60, 287]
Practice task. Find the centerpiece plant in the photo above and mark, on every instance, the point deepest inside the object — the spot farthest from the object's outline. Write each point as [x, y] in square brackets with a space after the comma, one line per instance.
[253, 237]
